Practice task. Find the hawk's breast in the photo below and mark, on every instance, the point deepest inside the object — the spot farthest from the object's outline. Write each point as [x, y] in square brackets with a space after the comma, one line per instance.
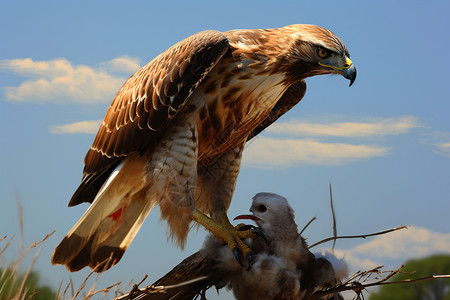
[236, 97]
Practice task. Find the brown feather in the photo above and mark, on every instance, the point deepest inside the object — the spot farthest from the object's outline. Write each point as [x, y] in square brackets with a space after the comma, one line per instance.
[189, 61]
[182, 121]
[290, 98]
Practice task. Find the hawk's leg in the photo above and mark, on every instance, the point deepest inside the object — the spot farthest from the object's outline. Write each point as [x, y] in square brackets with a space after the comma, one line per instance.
[216, 180]
[228, 234]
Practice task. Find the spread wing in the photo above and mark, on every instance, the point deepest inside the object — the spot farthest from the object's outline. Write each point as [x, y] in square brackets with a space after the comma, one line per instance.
[290, 98]
[146, 104]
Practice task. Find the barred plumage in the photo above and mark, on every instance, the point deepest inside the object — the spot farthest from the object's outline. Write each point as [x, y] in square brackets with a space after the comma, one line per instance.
[175, 132]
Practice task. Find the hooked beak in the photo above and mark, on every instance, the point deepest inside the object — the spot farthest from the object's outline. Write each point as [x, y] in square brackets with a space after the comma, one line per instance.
[350, 74]
[247, 217]
[348, 70]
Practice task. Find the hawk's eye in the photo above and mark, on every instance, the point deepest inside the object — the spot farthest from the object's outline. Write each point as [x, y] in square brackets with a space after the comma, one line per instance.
[322, 52]
[261, 208]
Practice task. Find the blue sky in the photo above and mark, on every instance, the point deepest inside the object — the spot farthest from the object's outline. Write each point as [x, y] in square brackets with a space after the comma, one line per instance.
[384, 143]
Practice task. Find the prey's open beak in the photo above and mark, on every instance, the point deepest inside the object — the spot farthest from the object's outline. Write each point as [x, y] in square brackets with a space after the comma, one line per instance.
[247, 217]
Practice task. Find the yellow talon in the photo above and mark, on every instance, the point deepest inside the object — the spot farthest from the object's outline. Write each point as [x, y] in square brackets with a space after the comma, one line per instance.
[226, 233]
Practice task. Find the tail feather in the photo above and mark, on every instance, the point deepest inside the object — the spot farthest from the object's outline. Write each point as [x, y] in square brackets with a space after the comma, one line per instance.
[101, 236]
[104, 245]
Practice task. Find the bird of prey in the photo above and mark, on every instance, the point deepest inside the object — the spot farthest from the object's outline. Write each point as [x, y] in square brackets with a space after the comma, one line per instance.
[173, 135]
[283, 268]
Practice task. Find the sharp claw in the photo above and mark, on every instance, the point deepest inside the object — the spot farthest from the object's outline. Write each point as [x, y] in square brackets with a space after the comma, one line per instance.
[249, 260]
[236, 255]
[257, 231]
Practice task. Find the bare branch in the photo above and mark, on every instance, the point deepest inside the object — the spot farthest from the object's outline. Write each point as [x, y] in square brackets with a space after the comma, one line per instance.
[356, 282]
[105, 290]
[306, 226]
[43, 240]
[334, 218]
[362, 236]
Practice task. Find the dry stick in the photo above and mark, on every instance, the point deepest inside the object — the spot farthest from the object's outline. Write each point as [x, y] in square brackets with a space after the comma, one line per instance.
[334, 218]
[21, 227]
[7, 245]
[154, 289]
[105, 290]
[71, 287]
[118, 292]
[362, 236]
[59, 290]
[66, 289]
[140, 282]
[23, 288]
[357, 287]
[43, 240]
[135, 289]
[309, 223]
[91, 290]
[83, 284]
[354, 283]
[410, 280]
[362, 274]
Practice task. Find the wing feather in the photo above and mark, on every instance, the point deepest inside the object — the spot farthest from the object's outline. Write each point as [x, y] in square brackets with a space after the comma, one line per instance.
[146, 104]
[290, 98]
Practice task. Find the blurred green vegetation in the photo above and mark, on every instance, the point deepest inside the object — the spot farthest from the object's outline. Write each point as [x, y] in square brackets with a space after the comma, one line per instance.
[21, 286]
[433, 289]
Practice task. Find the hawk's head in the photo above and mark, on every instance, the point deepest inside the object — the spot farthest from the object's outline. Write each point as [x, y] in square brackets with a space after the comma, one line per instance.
[314, 51]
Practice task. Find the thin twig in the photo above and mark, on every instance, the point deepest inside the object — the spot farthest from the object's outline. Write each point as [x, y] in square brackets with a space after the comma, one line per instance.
[83, 284]
[43, 240]
[409, 280]
[362, 236]
[58, 292]
[7, 245]
[357, 286]
[307, 224]
[105, 290]
[21, 227]
[23, 288]
[334, 218]
[72, 287]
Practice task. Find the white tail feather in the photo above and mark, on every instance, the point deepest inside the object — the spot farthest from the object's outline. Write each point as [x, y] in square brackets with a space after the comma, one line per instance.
[98, 210]
[109, 225]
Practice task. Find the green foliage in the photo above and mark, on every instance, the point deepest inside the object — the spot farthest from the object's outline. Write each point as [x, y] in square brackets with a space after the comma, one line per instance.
[17, 286]
[433, 289]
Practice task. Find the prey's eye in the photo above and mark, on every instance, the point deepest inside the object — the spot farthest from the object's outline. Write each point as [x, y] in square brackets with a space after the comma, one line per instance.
[261, 208]
[322, 52]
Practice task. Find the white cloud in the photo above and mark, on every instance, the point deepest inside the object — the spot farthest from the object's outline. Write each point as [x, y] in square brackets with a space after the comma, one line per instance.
[443, 148]
[266, 152]
[439, 141]
[395, 247]
[123, 64]
[59, 81]
[89, 127]
[405, 244]
[386, 126]
[355, 262]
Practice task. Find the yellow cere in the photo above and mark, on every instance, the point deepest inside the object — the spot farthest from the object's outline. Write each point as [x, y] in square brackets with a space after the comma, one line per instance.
[348, 64]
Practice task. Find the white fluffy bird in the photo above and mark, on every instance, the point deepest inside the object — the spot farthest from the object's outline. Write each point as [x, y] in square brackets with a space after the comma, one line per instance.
[284, 268]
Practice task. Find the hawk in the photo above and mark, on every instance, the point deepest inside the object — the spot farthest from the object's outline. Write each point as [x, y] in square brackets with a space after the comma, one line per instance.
[173, 135]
